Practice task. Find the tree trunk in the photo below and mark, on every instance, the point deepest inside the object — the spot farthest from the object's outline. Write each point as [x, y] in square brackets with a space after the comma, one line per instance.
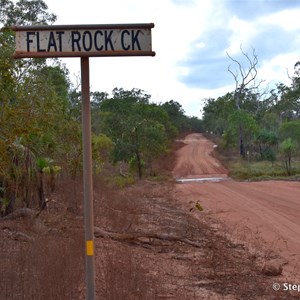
[42, 200]
[237, 97]
[139, 163]
[9, 194]
[52, 180]
[241, 142]
[138, 155]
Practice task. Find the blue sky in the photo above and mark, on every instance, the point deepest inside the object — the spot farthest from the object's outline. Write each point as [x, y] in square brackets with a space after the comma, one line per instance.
[190, 38]
[258, 24]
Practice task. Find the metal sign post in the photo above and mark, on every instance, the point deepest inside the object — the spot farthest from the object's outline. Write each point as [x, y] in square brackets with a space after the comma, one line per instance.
[87, 178]
[85, 41]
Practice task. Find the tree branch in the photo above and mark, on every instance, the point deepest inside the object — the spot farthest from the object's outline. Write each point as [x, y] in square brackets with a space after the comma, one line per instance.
[246, 76]
[139, 236]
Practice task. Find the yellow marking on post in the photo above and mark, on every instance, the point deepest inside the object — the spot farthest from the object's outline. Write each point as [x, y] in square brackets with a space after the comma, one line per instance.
[90, 248]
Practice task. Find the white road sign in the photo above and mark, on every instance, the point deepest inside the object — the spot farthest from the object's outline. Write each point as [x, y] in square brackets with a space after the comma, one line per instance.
[83, 40]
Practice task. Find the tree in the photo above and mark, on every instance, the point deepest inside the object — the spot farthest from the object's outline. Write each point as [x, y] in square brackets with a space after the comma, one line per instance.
[176, 114]
[241, 120]
[101, 148]
[25, 12]
[286, 99]
[33, 123]
[137, 128]
[270, 122]
[35, 119]
[96, 100]
[266, 141]
[216, 113]
[290, 130]
[195, 124]
[288, 148]
[244, 82]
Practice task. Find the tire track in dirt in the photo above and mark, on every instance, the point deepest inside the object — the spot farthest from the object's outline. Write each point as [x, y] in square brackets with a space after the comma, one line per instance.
[265, 215]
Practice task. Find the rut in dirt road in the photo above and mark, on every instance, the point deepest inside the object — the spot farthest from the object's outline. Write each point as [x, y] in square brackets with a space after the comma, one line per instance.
[265, 215]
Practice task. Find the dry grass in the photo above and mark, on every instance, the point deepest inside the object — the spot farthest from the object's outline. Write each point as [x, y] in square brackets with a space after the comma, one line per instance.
[47, 261]
[43, 258]
[47, 267]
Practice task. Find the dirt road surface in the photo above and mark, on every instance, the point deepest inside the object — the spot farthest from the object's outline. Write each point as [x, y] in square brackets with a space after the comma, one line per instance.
[263, 215]
[195, 159]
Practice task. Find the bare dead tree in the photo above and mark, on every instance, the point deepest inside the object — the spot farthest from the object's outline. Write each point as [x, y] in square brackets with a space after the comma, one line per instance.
[244, 77]
[245, 80]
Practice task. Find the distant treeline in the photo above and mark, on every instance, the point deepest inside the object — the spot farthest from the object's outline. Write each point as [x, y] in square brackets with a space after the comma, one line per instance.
[259, 124]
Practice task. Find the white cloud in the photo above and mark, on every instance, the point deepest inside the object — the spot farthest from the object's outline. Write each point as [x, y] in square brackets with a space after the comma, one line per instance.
[280, 68]
[176, 27]
[287, 19]
[196, 32]
[243, 33]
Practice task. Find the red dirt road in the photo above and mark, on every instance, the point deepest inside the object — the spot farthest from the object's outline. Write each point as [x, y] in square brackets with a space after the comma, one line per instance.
[194, 160]
[265, 216]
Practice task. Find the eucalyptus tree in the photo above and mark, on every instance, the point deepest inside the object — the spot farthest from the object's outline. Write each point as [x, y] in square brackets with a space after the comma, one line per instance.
[237, 121]
[245, 78]
[176, 114]
[216, 113]
[31, 102]
[25, 12]
[22, 12]
[266, 142]
[290, 99]
[288, 148]
[291, 130]
[138, 129]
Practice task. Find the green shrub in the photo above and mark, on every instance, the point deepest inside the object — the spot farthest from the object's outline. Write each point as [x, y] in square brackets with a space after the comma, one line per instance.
[121, 181]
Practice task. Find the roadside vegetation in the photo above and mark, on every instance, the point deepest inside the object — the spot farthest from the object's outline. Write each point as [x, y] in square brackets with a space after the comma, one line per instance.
[257, 129]
[40, 122]
[262, 170]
